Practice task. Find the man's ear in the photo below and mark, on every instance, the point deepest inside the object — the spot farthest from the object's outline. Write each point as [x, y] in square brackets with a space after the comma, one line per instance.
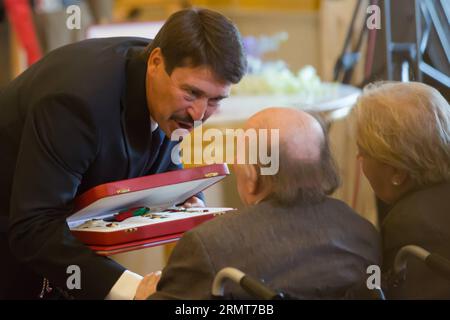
[155, 59]
[251, 182]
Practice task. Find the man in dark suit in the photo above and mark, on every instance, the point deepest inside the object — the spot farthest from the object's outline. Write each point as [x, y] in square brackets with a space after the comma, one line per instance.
[291, 234]
[94, 112]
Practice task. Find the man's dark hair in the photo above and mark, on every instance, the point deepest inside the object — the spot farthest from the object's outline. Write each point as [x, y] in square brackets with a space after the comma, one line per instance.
[302, 181]
[197, 37]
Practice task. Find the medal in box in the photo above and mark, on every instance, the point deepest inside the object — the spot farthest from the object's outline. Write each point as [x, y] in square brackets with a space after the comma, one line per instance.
[141, 212]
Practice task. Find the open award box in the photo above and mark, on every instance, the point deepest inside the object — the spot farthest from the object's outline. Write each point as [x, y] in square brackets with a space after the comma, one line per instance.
[141, 212]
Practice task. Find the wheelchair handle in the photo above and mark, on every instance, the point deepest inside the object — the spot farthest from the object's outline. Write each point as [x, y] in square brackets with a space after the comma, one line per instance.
[405, 252]
[434, 261]
[249, 284]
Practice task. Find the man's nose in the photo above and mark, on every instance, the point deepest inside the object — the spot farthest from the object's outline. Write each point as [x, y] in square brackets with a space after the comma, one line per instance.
[198, 110]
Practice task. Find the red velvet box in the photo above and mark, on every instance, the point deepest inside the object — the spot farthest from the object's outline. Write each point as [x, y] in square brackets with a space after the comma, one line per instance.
[160, 193]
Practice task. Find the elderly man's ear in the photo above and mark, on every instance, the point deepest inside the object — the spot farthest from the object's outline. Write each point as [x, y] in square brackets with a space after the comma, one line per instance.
[252, 179]
[249, 184]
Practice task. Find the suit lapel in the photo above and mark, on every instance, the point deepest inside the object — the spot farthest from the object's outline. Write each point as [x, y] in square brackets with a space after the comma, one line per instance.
[135, 114]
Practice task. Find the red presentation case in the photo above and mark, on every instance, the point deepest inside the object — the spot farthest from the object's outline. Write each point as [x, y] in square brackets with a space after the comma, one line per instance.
[94, 210]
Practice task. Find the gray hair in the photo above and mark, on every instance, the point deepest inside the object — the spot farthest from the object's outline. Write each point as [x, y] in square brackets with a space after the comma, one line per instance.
[406, 125]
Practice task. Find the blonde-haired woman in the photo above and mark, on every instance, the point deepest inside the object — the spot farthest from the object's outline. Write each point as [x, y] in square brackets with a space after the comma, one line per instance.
[403, 137]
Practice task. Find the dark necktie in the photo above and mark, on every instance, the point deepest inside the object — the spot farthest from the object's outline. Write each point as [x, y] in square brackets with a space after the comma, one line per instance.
[155, 146]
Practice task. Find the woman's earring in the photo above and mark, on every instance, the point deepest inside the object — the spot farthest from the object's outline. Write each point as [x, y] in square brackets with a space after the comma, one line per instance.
[395, 182]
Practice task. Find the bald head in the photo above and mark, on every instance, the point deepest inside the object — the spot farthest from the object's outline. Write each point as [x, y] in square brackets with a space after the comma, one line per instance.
[305, 169]
[300, 134]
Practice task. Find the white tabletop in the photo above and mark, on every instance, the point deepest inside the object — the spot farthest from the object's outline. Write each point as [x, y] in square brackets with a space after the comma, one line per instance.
[333, 98]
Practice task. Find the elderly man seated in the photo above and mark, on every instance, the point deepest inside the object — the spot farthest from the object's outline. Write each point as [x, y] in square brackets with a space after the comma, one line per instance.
[290, 234]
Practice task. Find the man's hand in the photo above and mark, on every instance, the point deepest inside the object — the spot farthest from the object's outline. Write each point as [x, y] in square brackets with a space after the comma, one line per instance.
[193, 202]
[147, 286]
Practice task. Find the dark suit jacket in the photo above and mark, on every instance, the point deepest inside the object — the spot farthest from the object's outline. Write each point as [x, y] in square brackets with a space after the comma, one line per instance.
[421, 218]
[76, 119]
[309, 252]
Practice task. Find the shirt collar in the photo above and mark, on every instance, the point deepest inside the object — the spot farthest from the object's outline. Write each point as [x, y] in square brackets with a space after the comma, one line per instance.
[153, 124]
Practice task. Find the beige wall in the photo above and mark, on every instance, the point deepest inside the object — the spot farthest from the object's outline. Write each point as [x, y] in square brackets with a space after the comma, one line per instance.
[315, 37]
[300, 49]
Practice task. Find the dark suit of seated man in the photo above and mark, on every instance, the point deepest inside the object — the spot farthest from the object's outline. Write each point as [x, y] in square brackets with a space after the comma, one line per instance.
[290, 234]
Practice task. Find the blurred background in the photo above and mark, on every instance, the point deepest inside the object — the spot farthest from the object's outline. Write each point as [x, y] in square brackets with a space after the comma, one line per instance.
[311, 54]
